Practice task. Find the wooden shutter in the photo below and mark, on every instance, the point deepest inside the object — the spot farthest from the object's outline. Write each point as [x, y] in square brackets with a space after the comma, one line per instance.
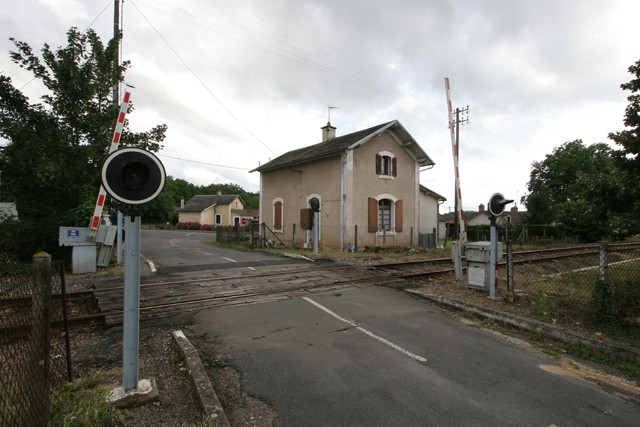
[394, 166]
[378, 164]
[306, 218]
[373, 215]
[399, 216]
[277, 215]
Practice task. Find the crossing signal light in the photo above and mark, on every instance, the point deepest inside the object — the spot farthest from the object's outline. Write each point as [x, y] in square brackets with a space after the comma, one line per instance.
[497, 203]
[133, 176]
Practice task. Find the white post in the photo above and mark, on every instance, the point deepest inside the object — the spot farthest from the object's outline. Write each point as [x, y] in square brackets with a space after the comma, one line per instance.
[316, 231]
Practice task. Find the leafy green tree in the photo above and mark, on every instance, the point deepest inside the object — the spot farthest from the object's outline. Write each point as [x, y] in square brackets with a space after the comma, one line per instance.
[580, 188]
[164, 209]
[629, 139]
[628, 215]
[51, 164]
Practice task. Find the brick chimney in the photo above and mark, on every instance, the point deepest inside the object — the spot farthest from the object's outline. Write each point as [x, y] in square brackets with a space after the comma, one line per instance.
[514, 209]
[481, 208]
[328, 132]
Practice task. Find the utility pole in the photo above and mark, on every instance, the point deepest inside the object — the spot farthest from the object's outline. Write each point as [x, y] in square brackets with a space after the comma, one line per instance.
[116, 100]
[459, 243]
[116, 59]
[457, 123]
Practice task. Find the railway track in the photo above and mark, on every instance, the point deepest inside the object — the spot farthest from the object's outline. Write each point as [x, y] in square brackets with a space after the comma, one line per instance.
[164, 297]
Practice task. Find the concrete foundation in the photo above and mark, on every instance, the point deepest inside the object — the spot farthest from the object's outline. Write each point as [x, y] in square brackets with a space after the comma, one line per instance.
[146, 392]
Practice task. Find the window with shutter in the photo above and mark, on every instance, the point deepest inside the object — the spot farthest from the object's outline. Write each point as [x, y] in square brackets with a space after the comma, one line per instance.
[385, 215]
[373, 215]
[398, 216]
[306, 218]
[277, 215]
[386, 165]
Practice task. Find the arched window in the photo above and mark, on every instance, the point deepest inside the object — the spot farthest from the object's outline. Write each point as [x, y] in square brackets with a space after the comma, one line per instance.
[385, 214]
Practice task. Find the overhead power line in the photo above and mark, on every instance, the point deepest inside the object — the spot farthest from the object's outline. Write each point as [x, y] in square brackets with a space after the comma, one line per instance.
[204, 163]
[231, 20]
[202, 82]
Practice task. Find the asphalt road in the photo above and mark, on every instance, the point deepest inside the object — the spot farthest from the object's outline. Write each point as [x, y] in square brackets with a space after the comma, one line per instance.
[186, 251]
[377, 357]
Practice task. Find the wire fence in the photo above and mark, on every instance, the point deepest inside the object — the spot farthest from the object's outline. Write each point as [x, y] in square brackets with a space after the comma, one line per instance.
[599, 286]
[352, 238]
[34, 343]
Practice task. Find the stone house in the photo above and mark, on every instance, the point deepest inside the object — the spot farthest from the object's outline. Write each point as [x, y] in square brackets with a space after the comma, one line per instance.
[366, 185]
[213, 210]
[482, 216]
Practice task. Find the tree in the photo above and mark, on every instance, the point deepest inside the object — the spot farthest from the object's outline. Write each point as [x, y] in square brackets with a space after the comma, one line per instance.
[629, 139]
[579, 187]
[628, 217]
[51, 164]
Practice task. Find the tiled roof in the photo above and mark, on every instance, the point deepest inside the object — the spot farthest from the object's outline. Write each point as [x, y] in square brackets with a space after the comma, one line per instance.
[340, 144]
[201, 202]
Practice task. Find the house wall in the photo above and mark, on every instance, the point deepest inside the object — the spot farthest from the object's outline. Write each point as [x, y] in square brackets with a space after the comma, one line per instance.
[442, 229]
[344, 185]
[293, 187]
[366, 183]
[236, 204]
[428, 219]
[480, 219]
[189, 217]
[208, 215]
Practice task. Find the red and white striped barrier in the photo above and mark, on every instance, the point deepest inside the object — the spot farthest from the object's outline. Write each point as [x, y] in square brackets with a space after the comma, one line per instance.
[454, 147]
[115, 144]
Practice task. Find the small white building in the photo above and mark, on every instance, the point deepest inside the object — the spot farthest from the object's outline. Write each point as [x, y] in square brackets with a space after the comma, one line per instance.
[8, 210]
[430, 202]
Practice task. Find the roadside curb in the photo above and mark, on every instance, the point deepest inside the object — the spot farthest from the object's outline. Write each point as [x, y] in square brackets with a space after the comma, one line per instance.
[205, 393]
[620, 350]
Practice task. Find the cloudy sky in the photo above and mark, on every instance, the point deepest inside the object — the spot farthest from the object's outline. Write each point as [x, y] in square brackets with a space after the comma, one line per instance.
[239, 82]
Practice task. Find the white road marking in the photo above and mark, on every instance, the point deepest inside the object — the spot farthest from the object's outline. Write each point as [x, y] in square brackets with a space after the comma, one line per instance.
[229, 259]
[366, 331]
[152, 266]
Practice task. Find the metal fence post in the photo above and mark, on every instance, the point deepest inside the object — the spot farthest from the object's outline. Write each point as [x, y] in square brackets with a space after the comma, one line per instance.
[411, 239]
[293, 238]
[602, 263]
[38, 394]
[65, 318]
[355, 238]
[511, 286]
